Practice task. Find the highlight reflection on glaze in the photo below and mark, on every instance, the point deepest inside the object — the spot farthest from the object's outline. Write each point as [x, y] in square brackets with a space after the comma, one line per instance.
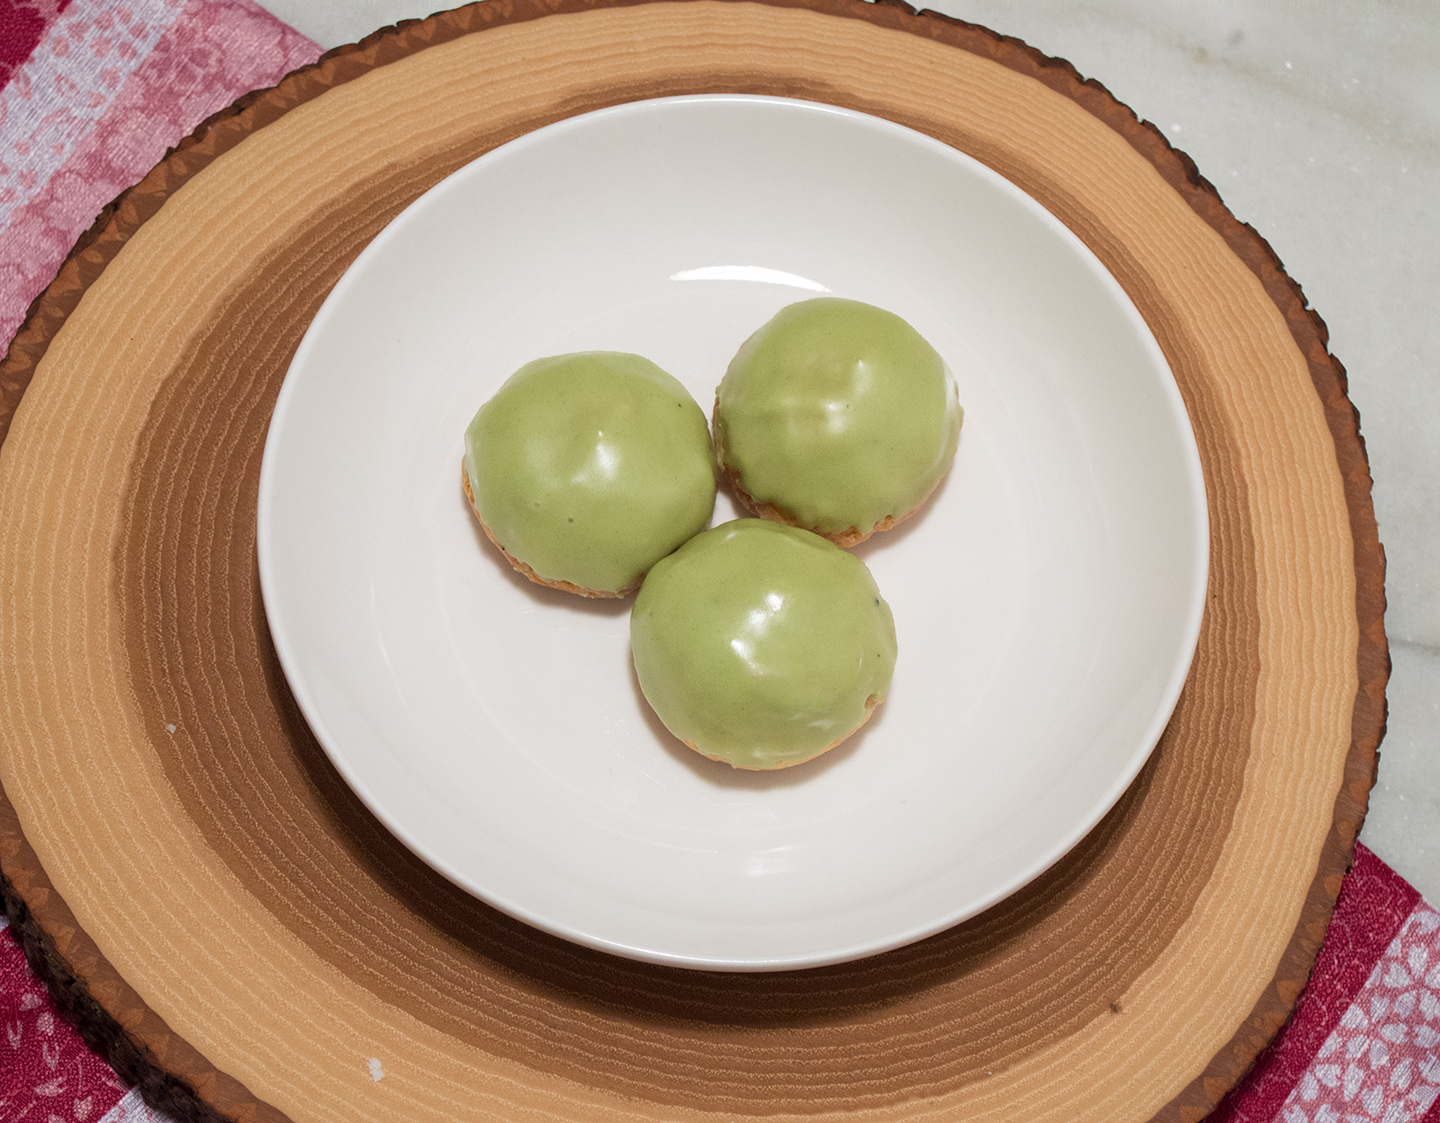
[762, 645]
[590, 467]
[838, 413]
[752, 273]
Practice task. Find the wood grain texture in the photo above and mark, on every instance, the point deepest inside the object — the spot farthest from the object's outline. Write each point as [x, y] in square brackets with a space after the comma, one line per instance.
[239, 913]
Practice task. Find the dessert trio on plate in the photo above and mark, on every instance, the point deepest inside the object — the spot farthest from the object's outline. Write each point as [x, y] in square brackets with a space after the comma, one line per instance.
[761, 642]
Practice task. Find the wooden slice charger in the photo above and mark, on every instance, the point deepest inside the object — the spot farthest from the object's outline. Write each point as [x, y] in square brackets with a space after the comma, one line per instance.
[222, 914]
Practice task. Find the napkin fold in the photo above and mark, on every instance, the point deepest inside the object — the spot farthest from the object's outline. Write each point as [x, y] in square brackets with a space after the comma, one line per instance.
[92, 92]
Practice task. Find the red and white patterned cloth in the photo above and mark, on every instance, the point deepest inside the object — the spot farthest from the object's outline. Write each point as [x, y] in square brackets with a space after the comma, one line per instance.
[92, 92]
[1363, 1045]
[47, 1074]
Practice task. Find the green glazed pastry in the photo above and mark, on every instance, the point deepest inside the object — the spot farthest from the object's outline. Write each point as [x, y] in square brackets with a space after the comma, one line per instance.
[836, 416]
[762, 645]
[587, 469]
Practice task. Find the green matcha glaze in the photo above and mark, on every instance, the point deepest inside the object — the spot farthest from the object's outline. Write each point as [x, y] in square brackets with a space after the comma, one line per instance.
[591, 467]
[838, 413]
[759, 644]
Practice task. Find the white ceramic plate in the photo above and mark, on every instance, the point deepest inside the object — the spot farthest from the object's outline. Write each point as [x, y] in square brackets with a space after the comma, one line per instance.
[1047, 602]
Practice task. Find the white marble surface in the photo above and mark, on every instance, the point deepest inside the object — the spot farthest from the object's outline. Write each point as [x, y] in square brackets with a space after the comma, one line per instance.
[1319, 123]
